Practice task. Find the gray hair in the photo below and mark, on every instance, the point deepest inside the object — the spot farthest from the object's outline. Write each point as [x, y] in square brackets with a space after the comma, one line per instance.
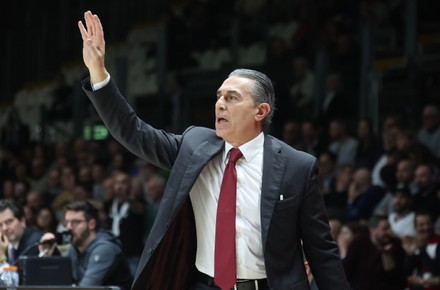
[261, 92]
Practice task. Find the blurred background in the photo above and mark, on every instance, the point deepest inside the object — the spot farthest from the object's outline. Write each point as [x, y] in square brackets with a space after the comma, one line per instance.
[169, 57]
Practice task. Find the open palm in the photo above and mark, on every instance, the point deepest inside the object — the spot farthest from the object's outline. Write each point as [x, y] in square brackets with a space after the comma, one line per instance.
[93, 42]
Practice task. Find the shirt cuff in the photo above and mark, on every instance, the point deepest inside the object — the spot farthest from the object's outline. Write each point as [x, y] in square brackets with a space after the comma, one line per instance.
[102, 84]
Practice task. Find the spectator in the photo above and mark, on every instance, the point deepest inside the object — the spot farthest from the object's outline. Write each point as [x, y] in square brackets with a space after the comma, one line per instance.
[312, 142]
[38, 178]
[66, 194]
[292, 134]
[423, 255]
[348, 232]
[387, 157]
[302, 92]
[342, 144]
[401, 219]
[374, 259]
[16, 238]
[399, 177]
[98, 177]
[427, 197]
[368, 150]
[127, 219]
[337, 199]
[53, 186]
[327, 172]
[409, 147]
[46, 220]
[97, 257]
[333, 104]
[429, 134]
[362, 196]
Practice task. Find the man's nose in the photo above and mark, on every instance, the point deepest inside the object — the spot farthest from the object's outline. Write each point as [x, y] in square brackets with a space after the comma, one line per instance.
[220, 104]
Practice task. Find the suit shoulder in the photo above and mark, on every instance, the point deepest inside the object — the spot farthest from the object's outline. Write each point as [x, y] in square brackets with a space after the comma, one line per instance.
[198, 134]
[291, 152]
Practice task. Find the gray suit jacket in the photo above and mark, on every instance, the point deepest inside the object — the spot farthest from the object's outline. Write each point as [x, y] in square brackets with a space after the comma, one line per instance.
[169, 250]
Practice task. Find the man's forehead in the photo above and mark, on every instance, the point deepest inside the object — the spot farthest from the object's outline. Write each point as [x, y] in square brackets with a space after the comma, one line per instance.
[235, 83]
[6, 214]
[74, 214]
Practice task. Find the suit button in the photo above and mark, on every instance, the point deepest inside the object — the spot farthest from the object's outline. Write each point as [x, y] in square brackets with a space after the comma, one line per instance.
[150, 250]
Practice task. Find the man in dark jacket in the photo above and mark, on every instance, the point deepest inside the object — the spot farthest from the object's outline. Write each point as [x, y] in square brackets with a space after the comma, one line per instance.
[15, 238]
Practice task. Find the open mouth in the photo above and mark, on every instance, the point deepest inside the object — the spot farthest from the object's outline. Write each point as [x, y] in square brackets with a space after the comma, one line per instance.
[221, 120]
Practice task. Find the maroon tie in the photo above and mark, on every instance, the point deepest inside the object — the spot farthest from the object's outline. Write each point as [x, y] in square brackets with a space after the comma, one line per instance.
[225, 258]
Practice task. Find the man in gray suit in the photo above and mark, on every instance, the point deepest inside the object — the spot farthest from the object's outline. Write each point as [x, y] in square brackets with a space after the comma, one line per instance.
[278, 203]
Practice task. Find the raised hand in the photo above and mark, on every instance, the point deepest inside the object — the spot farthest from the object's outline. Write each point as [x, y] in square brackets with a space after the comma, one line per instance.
[93, 46]
[4, 242]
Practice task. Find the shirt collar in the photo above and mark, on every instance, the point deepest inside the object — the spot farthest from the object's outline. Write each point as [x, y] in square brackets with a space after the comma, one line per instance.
[249, 149]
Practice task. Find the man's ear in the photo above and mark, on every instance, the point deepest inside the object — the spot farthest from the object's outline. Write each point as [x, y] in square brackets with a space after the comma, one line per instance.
[263, 111]
[92, 224]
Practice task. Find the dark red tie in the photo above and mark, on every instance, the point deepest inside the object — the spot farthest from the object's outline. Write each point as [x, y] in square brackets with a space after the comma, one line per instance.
[225, 257]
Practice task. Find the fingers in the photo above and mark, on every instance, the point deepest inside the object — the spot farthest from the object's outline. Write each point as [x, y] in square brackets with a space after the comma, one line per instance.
[89, 22]
[98, 30]
[93, 25]
[83, 31]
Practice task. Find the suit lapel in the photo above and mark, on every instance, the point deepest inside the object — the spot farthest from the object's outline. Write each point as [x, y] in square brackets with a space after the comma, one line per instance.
[201, 156]
[273, 167]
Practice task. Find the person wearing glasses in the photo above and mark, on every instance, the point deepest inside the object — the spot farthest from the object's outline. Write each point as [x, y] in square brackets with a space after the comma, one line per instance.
[97, 258]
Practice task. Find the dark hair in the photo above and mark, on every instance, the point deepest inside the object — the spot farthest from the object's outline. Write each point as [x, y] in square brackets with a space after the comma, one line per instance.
[90, 211]
[261, 92]
[376, 219]
[11, 204]
[423, 212]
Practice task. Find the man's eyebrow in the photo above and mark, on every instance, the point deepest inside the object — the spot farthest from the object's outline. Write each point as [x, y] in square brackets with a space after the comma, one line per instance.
[229, 92]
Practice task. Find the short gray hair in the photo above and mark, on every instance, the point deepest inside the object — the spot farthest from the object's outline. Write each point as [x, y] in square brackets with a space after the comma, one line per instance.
[261, 92]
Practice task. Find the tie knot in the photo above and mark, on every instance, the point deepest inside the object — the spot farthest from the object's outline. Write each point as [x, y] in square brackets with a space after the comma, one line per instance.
[235, 154]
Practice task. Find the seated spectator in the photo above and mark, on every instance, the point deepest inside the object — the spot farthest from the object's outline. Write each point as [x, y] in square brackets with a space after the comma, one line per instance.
[336, 200]
[341, 144]
[363, 197]
[423, 255]
[292, 134]
[427, 198]
[312, 143]
[409, 147]
[368, 150]
[401, 218]
[387, 157]
[327, 172]
[374, 259]
[16, 238]
[394, 177]
[348, 232]
[46, 220]
[127, 219]
[302, 92]
[429, 134]
[97, 257]
[334, 103]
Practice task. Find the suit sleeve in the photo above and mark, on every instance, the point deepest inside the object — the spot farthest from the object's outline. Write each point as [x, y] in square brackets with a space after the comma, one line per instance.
[320, 249]
[141, 139]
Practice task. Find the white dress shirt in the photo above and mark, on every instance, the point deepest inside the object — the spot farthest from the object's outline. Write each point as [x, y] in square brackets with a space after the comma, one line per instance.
[204, 197]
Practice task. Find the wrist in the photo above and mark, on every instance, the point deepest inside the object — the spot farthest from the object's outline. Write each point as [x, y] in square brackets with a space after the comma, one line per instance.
[98, 75]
